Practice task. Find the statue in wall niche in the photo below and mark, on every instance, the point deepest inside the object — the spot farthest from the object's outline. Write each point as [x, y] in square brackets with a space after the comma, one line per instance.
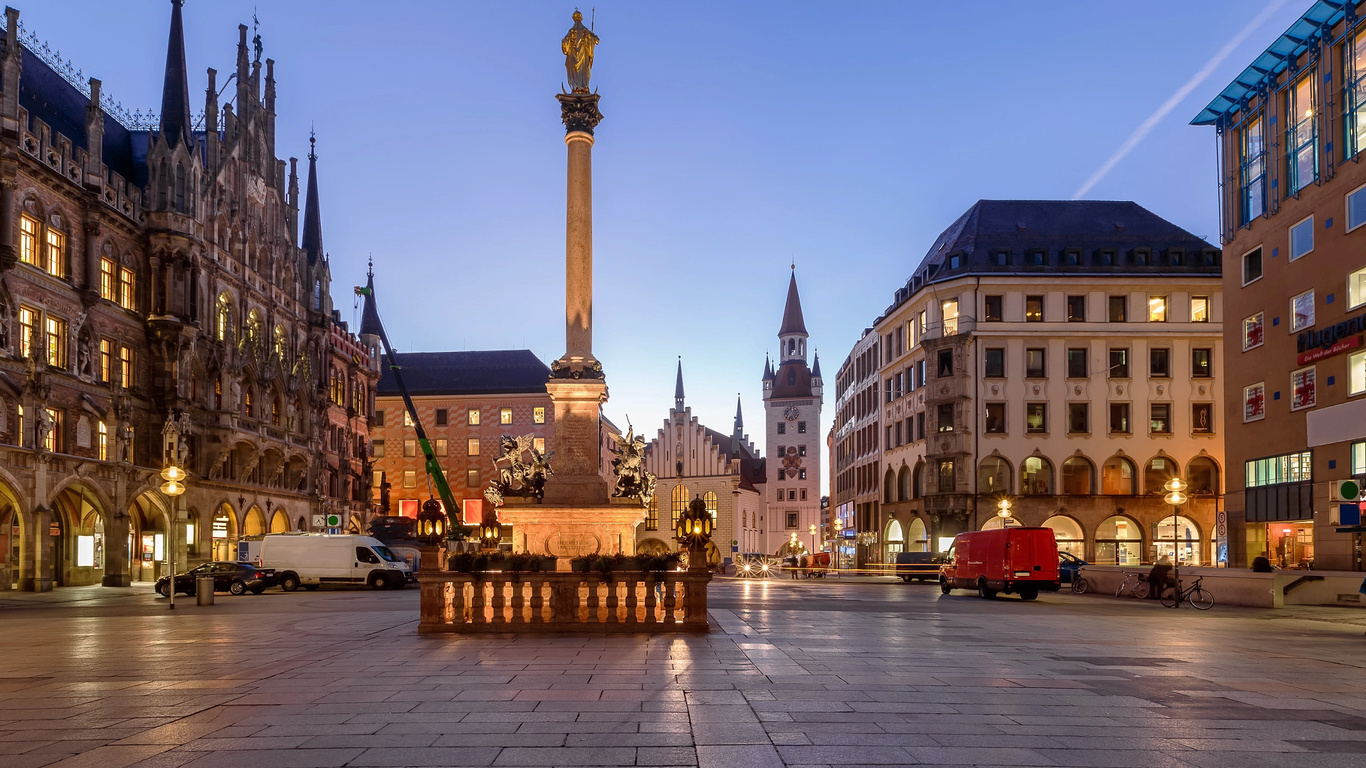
[235, 391]
[42, 427]
[220, 461]
[5, 320]
[85, 356]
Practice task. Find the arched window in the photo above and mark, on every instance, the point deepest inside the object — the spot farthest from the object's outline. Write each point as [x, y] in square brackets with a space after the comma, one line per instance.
[652, 514]
[1178, 537]
[1077, 476]
[180, 187]
[254, 329]
[1157, 473]
[1036, 477]
[917, 539]
[164, 186]
[918, 480]
[709, 498]
[1117, 477]
[896, 539]
[903, 484]
[1119, 541]
[993, 475]
[1203, 475]
[275, 410]
[281, 343]
[1068, 534]
[996, 521]
[679, 500]
[246, 401]
[888, 487]
[224, 316]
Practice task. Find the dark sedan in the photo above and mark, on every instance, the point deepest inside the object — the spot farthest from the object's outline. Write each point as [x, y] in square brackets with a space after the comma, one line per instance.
[236, 578]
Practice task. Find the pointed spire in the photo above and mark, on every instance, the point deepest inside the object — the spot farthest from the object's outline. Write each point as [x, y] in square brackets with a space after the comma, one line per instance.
[769, 375]
[816, 366]
[313, 225]
[739, 417]
[175, 91]
[369, 316]
[678, 386]
[793, 323]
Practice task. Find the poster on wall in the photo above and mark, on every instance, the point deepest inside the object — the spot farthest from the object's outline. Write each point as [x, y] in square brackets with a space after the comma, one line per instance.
[1254, 402]
[1302, 388]
[1252, 332]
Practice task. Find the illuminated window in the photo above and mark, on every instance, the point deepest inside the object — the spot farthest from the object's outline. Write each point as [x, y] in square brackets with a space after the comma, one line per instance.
[678, 503]
[709, 498]
[1301, 136]
[538, 443]
[1157, 309]
[23, 436]
[472, 446]
[1034, 309]
[409, 478]
[652, 514]
[1253, 171]
[246, 402]
[102, 442]
[54, 243]
[224, 325]
[538, 413]
[108, 273]
[504, 415]
[440, 447]
[407, 418]
[28, 319]
[472, 417]
[128, 294]
[1199, 309]
[56, 342]
[1354, 113]
[28, 239]
[126, 367]
[950, 311]
[254, 328]
[471, 477]
[52, 441]
[377, 448]
[275, 411]
[410, 447]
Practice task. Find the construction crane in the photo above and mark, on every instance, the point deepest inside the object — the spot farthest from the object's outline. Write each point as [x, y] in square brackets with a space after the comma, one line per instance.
[454, 526]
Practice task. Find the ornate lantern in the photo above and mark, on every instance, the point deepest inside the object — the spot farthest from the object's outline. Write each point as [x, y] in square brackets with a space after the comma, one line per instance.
[693, 529]
[490, 531]
[431, 523]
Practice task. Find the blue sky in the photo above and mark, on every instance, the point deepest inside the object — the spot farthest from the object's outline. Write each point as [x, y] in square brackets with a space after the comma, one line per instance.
[739, 137]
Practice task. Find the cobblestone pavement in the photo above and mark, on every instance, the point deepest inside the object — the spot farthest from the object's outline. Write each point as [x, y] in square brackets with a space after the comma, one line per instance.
[793, 674]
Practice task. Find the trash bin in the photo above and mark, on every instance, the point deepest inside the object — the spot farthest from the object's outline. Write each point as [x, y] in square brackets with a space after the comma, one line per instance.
[203, 590]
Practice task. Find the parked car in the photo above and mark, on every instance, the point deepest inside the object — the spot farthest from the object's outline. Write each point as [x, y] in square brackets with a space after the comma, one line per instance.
[309, 560]
[237, 578]
[1069, 567]
[1023, 561]
[920, 566]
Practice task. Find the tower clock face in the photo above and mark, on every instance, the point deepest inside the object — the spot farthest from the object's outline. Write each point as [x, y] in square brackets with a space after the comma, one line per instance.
[791, 413]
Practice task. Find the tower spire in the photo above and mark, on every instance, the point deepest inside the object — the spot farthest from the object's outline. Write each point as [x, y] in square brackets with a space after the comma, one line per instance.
[678, 386]
[739, 417]
[369, 316]
[313, 226]
[175, 90]
[793, 322]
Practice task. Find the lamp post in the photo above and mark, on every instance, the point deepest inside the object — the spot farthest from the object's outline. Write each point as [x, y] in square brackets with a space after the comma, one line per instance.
[173, 487]
[1176, 497]
[1003, 511]
[693, 531]
[431, 524]
[812, 529]
[490, 530]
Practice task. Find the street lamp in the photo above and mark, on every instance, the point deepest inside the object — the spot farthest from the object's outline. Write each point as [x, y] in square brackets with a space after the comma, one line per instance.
[1176, 497]
[431, 523]
[693, 531]
[1003, 511]
[812, 529]
[490, 531]
[173, 487]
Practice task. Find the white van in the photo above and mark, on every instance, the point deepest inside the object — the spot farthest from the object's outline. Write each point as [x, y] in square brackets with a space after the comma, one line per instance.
[311, 559]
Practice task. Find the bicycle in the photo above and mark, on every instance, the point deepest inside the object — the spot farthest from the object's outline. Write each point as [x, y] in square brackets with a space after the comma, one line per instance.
[1139, 588]
[1196, 596]
[1080, 585]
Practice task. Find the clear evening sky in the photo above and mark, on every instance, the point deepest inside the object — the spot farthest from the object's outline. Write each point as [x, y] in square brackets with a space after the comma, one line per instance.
[738, 138]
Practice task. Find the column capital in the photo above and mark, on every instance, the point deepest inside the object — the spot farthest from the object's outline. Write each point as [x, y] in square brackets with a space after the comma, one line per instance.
[579, 111]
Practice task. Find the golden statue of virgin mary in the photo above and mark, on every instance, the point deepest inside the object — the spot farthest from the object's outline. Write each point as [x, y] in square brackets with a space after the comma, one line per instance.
[577, 46]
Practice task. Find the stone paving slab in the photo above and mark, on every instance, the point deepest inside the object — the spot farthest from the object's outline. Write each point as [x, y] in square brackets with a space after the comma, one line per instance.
[829, 674]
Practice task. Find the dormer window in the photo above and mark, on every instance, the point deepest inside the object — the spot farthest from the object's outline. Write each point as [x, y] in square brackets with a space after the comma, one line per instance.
[1105, 257]
[1038, 258]
[1072, 257]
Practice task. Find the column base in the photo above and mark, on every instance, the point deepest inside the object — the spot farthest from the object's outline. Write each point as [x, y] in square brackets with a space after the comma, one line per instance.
[117, 580]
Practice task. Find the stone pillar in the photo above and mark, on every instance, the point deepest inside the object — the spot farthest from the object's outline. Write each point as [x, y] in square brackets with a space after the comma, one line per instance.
[116, 554]
[576, 482]
[40, 547]
[92, 255]
[9, 253]
[578, 250]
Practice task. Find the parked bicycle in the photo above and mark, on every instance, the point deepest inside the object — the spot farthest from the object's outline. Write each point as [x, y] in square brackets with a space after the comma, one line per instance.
[1135, 583]
[1080, 585]
[1196, 596]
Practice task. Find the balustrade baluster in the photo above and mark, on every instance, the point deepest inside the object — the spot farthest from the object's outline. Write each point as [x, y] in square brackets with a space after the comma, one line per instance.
[593, 585]
[537, 601]
[518, 603]
[632, 601]
[613, 601]
[650, 602]
[670, 598]
[457, 606]
[499, 582]
[477, 601]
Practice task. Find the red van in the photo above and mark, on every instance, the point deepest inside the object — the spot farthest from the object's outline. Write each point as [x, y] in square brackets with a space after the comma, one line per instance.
[1019, 560]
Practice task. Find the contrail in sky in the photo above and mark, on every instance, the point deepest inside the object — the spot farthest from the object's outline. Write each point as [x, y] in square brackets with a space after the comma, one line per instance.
[1181, 93]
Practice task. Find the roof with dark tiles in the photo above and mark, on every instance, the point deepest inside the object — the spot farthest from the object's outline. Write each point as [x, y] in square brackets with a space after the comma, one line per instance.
[494, 372]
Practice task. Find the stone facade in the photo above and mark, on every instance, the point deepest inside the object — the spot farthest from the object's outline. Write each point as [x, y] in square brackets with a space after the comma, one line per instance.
[158, 273]
[856, 478]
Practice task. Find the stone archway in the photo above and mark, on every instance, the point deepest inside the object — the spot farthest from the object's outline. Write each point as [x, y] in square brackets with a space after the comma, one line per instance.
[147, 531]
[254, 524]
[93, 542]
[279, 522]
[13, 538]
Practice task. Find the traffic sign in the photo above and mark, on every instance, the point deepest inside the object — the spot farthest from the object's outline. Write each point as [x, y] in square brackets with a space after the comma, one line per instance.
[319, 521]
[334, 521]
[1346, 490]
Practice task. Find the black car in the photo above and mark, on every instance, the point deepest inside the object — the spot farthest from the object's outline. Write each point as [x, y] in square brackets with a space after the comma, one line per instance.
[236, 578]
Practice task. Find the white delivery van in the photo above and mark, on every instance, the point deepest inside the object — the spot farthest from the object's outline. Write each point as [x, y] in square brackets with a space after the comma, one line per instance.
[312, 559]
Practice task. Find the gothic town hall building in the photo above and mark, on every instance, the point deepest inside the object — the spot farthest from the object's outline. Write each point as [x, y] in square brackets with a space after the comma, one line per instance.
[147, 269]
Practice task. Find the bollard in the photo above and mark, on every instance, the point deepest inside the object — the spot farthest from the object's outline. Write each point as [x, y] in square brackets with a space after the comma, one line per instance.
[203, 590]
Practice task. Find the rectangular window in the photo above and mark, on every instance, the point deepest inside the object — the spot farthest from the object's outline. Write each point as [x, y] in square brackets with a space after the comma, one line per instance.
[54, 244]
[472, 446]
[993, 309]
[782, 428]
[946, 483]
[1035, 367]
[1202, 363]
[1034, 309]
[1356, 373]
[1161, 419]
[1254, 402]
[28, 321]
[379, 418]
[1252, 266]
[472, 417]
[920, 426]
[1036, 418]
[1252, 171]
[1275, 470]
[409, 478]
[994, 366]
[1076, 363]
[1119, 418]
[1157, 309]
[442, 416]
[126, 378]
[945, 363]
[410, 447]
[56, 342]
[108, 280]
[538, 415]
[102, 442]
[1159, 363]
[1252, 331]
[472, 478]
[28, 239]
[440, 447]
[949, 309]
[801, 427]
[1356, 289]
[1119, 363]
[1302, 311]
[1119, 306]
[1076, 309]
[53, 440]
[538, 443]
[1199, 309]
[1302, 388]
[1359, 458]
[1302, 238]
[996, 418]
[1301, 136]
[1078, 418]
[504, 415]
[377, 448]
[1202, 418]
[944, 417]
[128, 293]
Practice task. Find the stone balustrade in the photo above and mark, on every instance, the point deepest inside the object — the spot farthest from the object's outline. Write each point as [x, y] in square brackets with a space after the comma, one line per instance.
[561, 601]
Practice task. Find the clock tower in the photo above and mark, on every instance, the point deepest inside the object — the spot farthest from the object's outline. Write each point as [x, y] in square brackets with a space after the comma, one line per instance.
[792, 407]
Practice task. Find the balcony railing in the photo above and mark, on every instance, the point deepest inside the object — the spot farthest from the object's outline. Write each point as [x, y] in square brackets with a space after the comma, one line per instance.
[559, 601]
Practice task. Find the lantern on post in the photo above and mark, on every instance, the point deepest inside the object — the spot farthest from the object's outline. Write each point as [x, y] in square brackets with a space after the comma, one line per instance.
[693, 532]
[431, 523]
[490, 531]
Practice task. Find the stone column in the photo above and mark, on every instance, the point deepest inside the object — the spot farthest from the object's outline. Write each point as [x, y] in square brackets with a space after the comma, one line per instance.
[579, 112]
[9, 253]
[40, 546]
[116, 555]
